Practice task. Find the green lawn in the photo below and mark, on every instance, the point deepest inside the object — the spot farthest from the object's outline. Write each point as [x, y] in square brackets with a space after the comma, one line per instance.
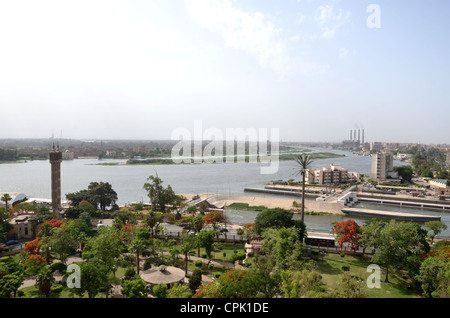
[329, 266]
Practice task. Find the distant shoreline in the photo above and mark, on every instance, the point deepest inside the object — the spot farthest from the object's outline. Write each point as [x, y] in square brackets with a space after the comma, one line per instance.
[246, 159]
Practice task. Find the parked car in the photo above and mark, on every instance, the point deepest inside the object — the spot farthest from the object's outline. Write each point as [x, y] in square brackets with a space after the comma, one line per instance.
[12, 242]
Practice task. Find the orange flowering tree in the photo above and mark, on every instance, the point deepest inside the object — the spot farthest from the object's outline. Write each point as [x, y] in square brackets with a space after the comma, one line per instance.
[247, 231]
[34, 263]
[214, 219]
[32, 247]
[348, 232]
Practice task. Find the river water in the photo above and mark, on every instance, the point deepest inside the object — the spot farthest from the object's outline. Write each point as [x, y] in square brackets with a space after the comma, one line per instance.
[33, 179]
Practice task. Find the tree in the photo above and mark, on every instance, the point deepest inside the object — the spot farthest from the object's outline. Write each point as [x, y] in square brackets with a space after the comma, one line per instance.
[187, 244]
[102, 195]
[430, 275]
[302, 283]
[405, 172]
[106, 246]
[197, 223]
[348, 232]
[5, 226]
[178, 291]
[435, 226]
[284, 245]
[134, 289]
[139, 243]
[153, 220]
[247, 231]
[195, 280]
[205, 239]
[62, 241]
[5, 198]
[214, 219]
[45, 281]
[278, 218]
[398, 240]
[160, 197]
[94, 279]
[369, 233]
[305, 162]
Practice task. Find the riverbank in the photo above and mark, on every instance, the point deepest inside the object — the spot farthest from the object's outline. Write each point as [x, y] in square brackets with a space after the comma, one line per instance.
[220, 201]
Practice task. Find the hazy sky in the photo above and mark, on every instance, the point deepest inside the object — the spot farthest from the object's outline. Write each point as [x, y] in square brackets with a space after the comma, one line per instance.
[140, 69]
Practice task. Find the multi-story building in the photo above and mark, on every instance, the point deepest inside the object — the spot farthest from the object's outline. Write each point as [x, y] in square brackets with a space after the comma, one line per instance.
[383, 166]
[331, 175]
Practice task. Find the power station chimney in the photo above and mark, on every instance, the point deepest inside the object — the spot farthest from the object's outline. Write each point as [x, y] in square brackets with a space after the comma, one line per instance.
[351, 134]
[359, 136]
[363, 137]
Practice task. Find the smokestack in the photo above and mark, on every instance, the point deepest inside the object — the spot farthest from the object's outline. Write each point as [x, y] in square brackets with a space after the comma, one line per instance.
[363, 137]
[354, 134]
[359, 136]
[351, 134]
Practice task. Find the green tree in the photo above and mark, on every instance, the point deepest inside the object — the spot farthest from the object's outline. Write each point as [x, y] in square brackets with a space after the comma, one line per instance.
[106, 246]
[398, 240]
[94, 279]
[284, 245]
[45, 281]
[10, 283]
[178, 291]
[304, 162]
[62, 241]
[102, 195]
[187, 243]
[302, 284]
[205, 239]
[430, 275]
[435, 226]
[5, 226]
[153, 220]
[160, 197]
[140, 243]
[134, 289]
[278, 218]
[195, 280]
[5, 198]
[405, 172]
[99, 194]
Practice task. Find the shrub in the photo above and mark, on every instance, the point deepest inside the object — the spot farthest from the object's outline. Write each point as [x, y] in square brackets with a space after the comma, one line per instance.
[59, 266]
[345, 267]
[195, 280]
[198, 263]
[314, 252]
[160, 290]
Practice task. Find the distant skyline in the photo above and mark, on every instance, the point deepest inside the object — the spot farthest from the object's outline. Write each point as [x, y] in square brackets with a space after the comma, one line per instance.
[139, 69]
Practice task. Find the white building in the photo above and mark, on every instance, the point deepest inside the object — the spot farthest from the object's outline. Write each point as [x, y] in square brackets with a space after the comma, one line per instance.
[331, 175]
[383, 166]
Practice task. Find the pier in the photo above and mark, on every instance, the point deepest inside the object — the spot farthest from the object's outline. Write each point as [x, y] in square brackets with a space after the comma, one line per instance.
[412, 217]
[288, 192]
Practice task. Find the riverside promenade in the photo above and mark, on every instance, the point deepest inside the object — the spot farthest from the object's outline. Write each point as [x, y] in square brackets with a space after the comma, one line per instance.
[221, 200]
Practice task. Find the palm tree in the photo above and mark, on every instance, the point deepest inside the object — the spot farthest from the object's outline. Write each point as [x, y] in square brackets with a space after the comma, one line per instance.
[305, 162]
[44, 281]
[6, 198]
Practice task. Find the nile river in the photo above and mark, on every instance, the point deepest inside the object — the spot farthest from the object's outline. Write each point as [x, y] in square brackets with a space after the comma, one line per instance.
[33, 179]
